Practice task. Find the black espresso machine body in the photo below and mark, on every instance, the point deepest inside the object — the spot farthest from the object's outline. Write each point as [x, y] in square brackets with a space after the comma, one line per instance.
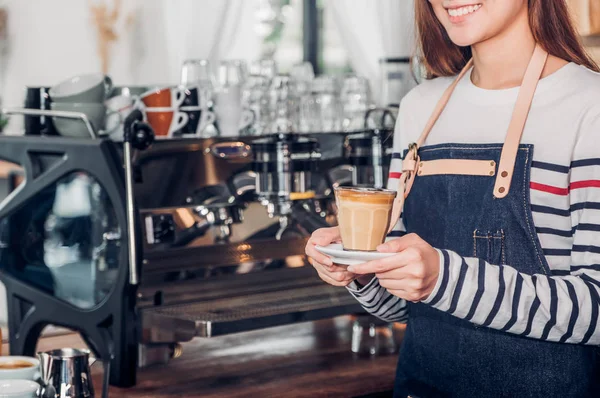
[213, 257]
[63, 260]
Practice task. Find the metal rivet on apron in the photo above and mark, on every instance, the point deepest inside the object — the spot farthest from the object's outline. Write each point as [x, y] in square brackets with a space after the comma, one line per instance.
[420, 172]
[492, 163]
[492, 172]
[501, 189]
[504, 174]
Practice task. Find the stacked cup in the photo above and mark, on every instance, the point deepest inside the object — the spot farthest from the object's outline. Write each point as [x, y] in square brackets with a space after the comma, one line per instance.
[234, 117]
[196, 105]
[17, 375]
[123, 100]
[118, 108]
[82, 94]
[198, 82]
[161, 106]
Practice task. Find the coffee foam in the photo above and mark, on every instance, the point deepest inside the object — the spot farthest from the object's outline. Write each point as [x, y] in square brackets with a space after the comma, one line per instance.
[365, 195]
[16, 364]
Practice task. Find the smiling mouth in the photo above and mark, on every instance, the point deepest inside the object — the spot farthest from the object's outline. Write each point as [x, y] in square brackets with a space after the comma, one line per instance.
[459, 13]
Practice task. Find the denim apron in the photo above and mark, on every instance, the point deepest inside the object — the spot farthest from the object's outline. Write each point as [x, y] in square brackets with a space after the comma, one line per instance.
[476, 215]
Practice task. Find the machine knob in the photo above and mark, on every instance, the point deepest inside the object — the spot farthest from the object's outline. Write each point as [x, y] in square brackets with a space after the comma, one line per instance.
[139, 134]
[160, 229]
[143, 136]
[163, 227]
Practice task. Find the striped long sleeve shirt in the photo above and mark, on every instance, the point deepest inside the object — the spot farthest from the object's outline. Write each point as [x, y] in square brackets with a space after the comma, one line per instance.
[564, 128]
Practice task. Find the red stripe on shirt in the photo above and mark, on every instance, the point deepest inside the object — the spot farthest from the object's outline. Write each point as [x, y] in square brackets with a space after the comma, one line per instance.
[395, 175]
[549, 188]
[565, 191]
[585, 184]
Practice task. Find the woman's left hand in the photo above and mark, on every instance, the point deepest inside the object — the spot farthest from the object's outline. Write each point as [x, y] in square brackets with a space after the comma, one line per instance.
[411, 274]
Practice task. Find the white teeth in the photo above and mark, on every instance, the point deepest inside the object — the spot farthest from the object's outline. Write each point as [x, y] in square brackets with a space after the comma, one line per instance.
[457, 12]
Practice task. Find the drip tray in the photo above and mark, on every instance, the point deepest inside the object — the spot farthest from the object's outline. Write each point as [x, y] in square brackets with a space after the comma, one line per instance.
[183, 322]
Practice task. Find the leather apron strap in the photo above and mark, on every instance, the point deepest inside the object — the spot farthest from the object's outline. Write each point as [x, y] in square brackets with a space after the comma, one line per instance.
[517, 123]
[511, 143]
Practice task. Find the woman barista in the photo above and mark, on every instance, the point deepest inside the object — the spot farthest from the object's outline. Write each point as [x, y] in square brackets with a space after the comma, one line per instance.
[497, 264]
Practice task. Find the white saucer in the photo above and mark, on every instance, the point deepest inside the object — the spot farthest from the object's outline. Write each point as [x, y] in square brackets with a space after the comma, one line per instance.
[347, 257]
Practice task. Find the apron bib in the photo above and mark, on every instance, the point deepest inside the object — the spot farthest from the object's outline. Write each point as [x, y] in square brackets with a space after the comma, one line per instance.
[459, 200]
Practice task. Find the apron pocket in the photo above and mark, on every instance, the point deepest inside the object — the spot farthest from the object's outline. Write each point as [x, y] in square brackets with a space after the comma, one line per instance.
[489, 246]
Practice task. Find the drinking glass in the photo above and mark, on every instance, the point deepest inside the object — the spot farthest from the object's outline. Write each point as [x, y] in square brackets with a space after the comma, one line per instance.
[372, 336]
[230, 73]
[284, 106]
[320, 110]
[325, 83]
[255, 96]
[254, 89]
[196, 72]
[319, 113]
[242, 67]
[264, 67]
[308, 118]
[303, 75]
[356, 100]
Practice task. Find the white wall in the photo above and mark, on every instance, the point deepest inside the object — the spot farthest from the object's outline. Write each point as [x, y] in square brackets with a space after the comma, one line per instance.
[52, 40]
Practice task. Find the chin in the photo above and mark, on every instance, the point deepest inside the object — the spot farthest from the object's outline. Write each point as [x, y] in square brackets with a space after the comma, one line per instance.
[465, 39]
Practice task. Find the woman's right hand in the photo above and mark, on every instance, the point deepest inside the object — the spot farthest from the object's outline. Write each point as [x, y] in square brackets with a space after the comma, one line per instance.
[329, 272]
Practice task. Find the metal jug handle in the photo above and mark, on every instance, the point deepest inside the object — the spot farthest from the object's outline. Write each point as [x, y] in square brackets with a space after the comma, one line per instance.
[105, 377]
[46, 391]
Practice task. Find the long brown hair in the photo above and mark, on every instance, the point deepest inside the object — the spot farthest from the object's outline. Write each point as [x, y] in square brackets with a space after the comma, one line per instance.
[550, 23]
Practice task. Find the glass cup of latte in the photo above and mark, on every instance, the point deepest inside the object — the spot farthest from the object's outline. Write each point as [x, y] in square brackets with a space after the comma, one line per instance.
[363, 216]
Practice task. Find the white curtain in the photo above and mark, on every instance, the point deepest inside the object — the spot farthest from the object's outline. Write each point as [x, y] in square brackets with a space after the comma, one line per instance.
[154, 37]
[374, 29]
[208, 29]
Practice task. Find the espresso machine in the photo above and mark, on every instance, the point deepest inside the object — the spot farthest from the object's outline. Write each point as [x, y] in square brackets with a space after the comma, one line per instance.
[146, 244]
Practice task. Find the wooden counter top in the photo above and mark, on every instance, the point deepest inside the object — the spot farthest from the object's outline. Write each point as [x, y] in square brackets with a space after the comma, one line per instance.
[310, 359]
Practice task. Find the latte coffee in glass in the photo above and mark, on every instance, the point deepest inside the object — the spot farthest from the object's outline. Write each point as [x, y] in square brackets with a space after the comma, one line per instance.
[363, 216]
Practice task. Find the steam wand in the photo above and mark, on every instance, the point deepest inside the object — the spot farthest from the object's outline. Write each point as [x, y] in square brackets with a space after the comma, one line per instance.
[138, 135]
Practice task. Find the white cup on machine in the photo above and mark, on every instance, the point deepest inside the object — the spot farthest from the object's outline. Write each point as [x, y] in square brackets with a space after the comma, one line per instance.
[117, 109]
[232, 117]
